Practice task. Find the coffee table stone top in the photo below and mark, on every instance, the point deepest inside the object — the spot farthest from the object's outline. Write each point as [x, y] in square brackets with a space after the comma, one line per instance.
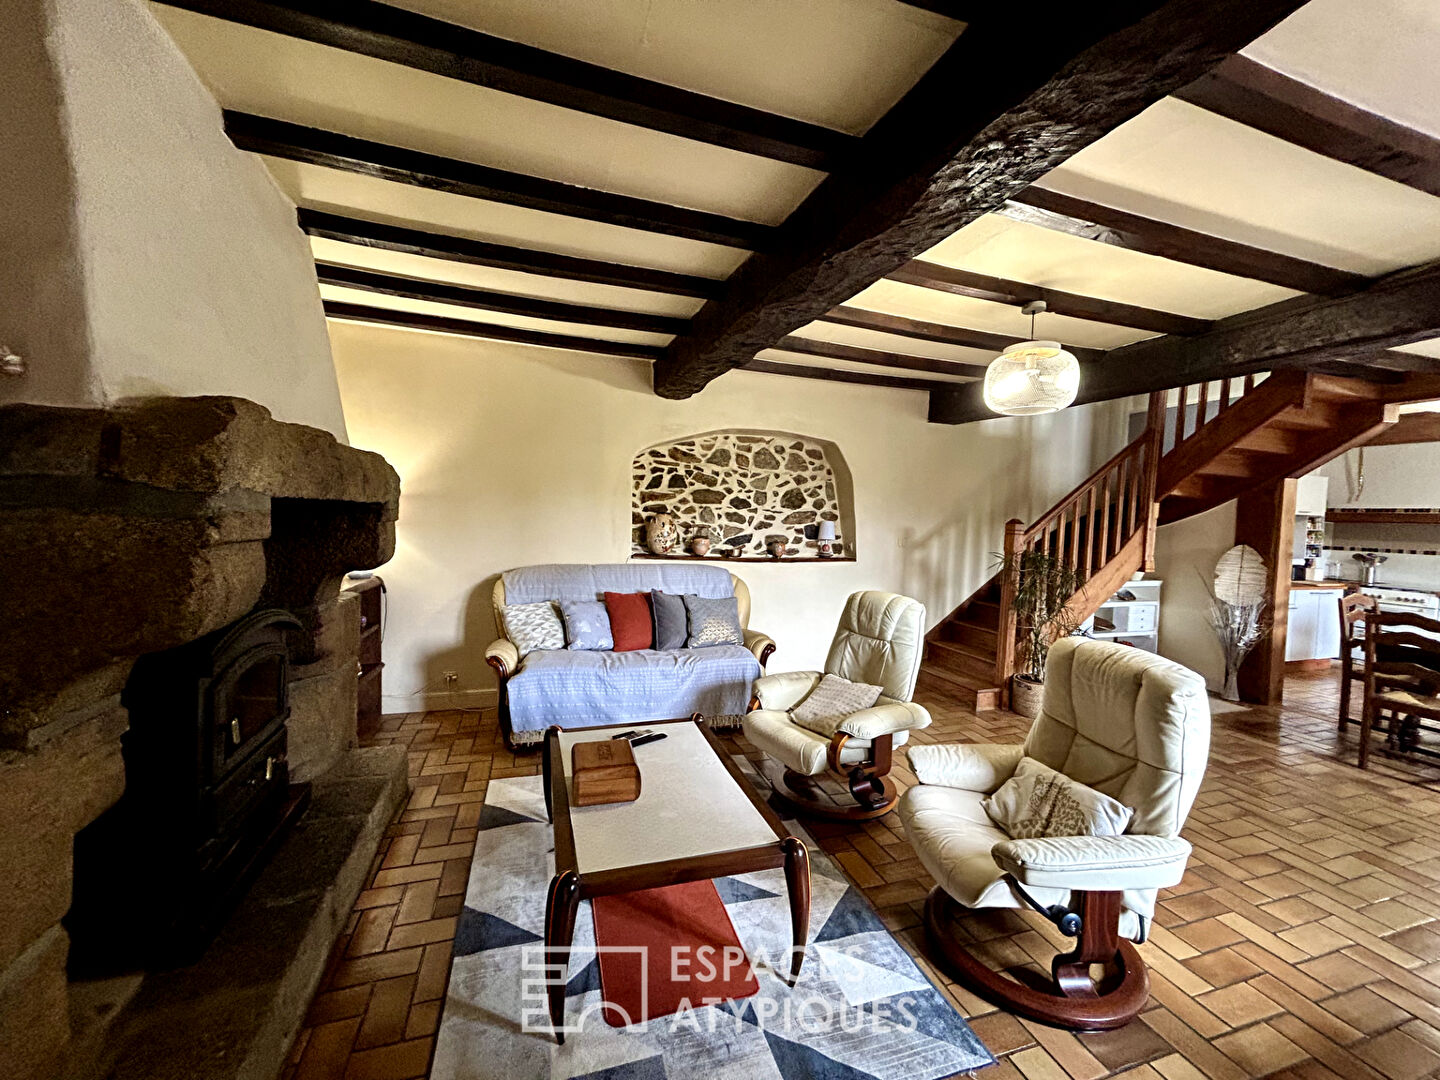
[689, 806]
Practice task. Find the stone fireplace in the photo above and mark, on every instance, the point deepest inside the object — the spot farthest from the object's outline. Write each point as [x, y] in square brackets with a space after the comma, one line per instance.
[138, 544]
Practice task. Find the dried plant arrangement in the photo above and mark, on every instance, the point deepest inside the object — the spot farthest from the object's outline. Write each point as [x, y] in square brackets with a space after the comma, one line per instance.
[1237, 610]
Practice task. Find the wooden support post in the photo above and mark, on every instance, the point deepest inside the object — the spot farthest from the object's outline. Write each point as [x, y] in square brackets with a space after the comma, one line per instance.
[1005, 638]
[1265, 519]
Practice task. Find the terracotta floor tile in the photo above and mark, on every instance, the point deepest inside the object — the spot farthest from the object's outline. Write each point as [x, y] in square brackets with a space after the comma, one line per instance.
[1397, 1056]
[1239, 1005]
[389, 1009]
[1207, 934]
[1364, 1010]
[403, 1061]
[1260, 1050]
[327, 1051]
[1222, 967]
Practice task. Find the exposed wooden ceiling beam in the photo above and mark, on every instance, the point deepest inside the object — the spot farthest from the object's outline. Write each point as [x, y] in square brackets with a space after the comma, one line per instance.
[440, 292]
[944, 333]
[409, 320]
[457, 52]
[863, 378]
[295, 142]
[1305, 331]
[914, 181]
[463, 249]
[1120, 228]
[831, 350]
[1260, 97]
[928, 275]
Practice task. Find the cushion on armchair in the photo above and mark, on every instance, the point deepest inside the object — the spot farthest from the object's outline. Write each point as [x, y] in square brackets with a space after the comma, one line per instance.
[533, 626]
[1040, 802]
[832, 700]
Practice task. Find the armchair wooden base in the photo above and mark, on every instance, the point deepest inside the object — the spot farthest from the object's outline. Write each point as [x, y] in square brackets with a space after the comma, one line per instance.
[873, 797]
[1078, 1001]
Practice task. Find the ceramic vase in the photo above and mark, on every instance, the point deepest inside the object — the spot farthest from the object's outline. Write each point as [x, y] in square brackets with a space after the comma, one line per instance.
[700, 545]
[776, 548]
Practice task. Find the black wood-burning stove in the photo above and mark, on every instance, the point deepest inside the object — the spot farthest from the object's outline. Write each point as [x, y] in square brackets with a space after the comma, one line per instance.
[207, 796]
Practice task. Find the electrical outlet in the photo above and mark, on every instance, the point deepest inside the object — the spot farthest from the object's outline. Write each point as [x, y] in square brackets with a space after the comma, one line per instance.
[450, 678]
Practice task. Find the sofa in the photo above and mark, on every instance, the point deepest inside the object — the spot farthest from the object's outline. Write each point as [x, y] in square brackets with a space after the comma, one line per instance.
[581, 688]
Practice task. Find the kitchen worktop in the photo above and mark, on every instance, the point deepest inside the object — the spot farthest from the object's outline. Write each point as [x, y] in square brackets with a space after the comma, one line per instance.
[1324, 584]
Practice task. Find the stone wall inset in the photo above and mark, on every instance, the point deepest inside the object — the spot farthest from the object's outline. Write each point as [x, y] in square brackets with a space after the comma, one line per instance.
[747, 487]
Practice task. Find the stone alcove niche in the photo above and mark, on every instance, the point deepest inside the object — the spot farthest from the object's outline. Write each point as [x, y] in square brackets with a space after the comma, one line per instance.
[748, 487]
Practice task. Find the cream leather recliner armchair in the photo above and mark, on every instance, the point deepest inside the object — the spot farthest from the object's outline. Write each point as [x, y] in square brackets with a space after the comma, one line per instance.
[880, 641]
[1124, 722]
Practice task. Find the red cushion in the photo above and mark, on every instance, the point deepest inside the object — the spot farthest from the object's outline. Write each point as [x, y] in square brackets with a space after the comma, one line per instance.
[631, 622]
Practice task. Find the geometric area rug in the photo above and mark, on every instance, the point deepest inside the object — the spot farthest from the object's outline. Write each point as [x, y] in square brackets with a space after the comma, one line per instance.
[862, 1009]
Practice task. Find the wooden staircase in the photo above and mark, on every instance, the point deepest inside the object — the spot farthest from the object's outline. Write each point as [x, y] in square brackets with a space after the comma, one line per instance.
[1202, 446]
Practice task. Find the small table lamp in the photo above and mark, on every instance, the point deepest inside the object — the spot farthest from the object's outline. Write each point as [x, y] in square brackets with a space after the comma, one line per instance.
[825, 535]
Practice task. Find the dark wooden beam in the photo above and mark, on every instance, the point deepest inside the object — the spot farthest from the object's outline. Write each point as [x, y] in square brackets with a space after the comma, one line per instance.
[463, 249]
[295, 142]
[1392, 360]
[457, 52]
[1122, 229]
[862, 378]
[1399, 309]
[831, 350]
[1084, 70]
[440, 292]
[409, 320]
[944, 333]
[1247, 91]
[928, 275]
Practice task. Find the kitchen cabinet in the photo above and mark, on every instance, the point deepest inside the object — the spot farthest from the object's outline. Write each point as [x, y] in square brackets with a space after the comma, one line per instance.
[1313, 631]
[1310, 495]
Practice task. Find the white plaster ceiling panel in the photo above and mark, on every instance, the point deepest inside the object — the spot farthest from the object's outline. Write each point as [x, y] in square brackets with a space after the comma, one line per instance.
[1422, 348]
[916, 302]
[273, 75]
[1181, 164]
[499, 318]
[507, 281]
[423, 208]
[1377, 54]
[837, 63]
[780, 356]
[1017, 250]
[895, 343]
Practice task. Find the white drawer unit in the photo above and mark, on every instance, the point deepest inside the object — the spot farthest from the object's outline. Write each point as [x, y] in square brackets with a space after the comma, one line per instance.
[1313, 632]
[1131, 616]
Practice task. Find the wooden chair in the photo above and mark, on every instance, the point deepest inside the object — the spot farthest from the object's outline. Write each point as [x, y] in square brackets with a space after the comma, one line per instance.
[1353, 610]
[1402, 677]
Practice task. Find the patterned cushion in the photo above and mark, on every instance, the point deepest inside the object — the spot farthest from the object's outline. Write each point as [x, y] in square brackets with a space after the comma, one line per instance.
[712, 622]
[671, 625]
[587, 624]
[533, 626]
[1038, 801]
[832, 700]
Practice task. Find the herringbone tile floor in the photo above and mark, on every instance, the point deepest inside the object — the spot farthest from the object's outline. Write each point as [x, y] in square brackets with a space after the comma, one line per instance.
[1303, 942]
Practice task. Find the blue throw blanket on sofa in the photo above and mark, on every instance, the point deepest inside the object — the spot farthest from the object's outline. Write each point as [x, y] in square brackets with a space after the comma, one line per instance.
[583, 689]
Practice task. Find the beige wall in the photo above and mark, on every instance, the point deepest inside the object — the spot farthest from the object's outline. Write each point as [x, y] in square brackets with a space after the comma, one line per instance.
[140, 253]
[511, 455]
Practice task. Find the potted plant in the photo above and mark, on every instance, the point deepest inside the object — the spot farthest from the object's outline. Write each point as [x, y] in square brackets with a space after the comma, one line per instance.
[1044, 588]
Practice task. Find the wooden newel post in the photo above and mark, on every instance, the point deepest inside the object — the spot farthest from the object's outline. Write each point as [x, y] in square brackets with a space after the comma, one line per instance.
[1005, 636]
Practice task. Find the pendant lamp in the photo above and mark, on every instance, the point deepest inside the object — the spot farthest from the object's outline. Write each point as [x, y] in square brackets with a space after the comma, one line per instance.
[1032, 377]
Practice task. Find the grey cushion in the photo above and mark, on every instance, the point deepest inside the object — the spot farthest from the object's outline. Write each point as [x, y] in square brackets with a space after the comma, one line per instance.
[671, 623]
[587, 624]
[712, 622]
[832, 700]
[533, 626]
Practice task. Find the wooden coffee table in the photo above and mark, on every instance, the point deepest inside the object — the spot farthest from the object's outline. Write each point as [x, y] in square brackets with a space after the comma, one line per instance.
[697, 817]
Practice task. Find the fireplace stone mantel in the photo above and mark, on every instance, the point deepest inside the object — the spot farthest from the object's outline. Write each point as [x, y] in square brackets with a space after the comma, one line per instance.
[131, 530]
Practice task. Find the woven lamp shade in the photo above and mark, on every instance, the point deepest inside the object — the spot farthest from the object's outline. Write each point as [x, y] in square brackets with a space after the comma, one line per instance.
[1032, 377]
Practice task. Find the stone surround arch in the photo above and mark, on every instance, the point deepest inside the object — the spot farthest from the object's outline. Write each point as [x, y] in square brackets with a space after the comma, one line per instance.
[748, 486]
